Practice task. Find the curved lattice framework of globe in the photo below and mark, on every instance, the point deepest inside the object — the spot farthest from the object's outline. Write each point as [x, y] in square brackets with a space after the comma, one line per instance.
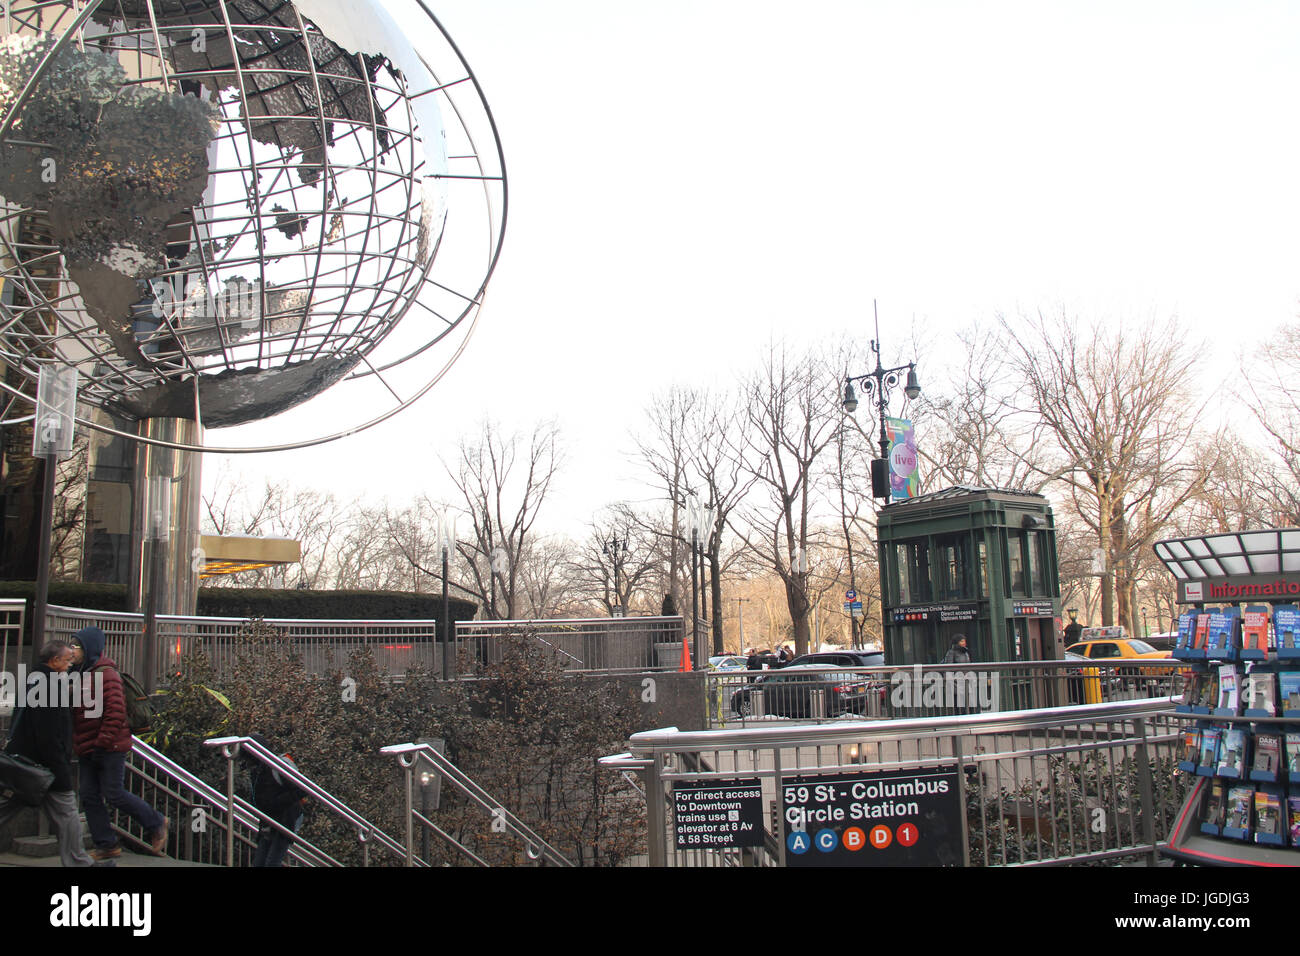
[221, 208]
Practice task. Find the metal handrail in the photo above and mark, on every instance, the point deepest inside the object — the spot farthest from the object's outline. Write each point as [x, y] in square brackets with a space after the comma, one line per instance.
[366, 831]
[766, 736]
[244, 813]
[635, 621]
[536, 847]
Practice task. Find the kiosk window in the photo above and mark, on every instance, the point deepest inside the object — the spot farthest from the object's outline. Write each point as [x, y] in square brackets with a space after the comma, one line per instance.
[913, 572]
[904, 588]
[950, 571]
[1016, 564]
[1035, 551]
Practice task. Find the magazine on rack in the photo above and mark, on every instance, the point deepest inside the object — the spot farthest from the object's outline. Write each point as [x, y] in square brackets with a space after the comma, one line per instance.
[1268, 754]
[1259, 694]
[1229, 702]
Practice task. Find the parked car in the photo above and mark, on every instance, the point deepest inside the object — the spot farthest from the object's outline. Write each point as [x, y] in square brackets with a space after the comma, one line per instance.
[1127, 648]
[845, 658]
[790, 692]
[727, 662]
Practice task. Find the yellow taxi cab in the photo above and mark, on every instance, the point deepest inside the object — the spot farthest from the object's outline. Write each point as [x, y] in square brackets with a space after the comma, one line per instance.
[1111, 644]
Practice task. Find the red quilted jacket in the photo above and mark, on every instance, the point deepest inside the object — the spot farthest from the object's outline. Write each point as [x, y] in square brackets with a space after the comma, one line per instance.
[110, 730]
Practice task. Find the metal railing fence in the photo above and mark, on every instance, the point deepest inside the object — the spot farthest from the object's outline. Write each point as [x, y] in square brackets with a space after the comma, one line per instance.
[1074, 785]
[324, 645]
[586, 644]
[503, 821]
[579, 644]
[930, 690]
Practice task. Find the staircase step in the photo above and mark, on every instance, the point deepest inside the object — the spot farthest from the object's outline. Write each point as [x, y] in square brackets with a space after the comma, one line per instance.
[36, 846]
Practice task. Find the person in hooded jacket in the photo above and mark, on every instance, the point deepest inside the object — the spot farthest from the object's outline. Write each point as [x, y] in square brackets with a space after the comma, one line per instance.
[44, 734]
[102, 743]
[958, 653]
[278, 799]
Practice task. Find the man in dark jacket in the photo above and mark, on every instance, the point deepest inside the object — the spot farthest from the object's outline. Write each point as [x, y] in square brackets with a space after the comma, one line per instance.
[958, 653]
[102, 743]
[281, 801]
[43, 733]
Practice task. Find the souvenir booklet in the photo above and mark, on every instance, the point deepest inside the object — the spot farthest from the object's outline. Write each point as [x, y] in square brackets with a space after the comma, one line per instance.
[1209, 759]
[1223, 642]
[1241, 800]
[1229, 702]
[1201, 636]
[1293, 754]
[1209, 692]
[1268, 753]
[1293, 812]
[1193, 688]
[1212, 812]
[1232, 754]
[1191, 750]
[1286, 621]
[1254, 633]
[1268, 818]
[1289, 682]
[1186, 634]
[1259, 696]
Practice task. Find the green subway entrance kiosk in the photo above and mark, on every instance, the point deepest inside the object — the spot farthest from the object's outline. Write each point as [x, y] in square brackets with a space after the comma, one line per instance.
[973, 561]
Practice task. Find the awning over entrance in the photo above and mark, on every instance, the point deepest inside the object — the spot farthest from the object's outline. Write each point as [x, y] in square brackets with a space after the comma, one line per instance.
[226, 554]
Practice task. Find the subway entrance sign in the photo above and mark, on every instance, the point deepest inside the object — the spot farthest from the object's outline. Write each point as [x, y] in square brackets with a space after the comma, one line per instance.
[718, 815]
[890, 818]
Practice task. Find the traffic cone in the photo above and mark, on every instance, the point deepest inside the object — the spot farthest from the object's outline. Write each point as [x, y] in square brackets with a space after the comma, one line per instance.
[686, 656]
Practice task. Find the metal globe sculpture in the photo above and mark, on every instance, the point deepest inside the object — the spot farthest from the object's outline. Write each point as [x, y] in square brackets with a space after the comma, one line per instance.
[217, 209]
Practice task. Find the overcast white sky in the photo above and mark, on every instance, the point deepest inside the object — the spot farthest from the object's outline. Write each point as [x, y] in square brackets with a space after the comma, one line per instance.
[688, 179]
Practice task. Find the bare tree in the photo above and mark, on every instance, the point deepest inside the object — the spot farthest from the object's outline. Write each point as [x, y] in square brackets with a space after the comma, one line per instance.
[315, 519]
[1272, 391]
[1121, 409]
[503, 482]
[665, 452]
[792, 412]
[618, 558]
[975, 433]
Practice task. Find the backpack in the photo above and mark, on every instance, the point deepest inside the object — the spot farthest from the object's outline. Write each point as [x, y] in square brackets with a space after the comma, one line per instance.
[139, 711]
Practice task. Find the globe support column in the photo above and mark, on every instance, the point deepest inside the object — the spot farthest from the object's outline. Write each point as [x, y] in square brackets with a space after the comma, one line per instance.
[166, 558]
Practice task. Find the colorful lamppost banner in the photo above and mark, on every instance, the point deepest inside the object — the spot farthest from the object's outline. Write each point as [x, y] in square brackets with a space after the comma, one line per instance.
[904, 473]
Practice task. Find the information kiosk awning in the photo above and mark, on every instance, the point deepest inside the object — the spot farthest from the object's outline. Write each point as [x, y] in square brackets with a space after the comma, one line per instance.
[1236, 566]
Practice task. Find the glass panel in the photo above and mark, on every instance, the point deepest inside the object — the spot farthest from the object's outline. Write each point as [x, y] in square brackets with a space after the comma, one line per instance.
[1224, 544]
[1263, 563]
[1197, 547]
[1036, 563]
[1016, 563]
[903, 581]
[983, 569]
[919, 570]
[1260, 541]
[950, 571]
[1236, 564]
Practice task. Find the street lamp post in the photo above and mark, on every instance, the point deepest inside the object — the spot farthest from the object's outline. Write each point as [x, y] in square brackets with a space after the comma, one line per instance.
[446, 541]
[693, 528]
[616, 551]
[876, 387]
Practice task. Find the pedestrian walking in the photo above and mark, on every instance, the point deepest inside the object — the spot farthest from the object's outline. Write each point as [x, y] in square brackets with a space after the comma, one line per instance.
[102, 742]
[43, 733]
[958, 653]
